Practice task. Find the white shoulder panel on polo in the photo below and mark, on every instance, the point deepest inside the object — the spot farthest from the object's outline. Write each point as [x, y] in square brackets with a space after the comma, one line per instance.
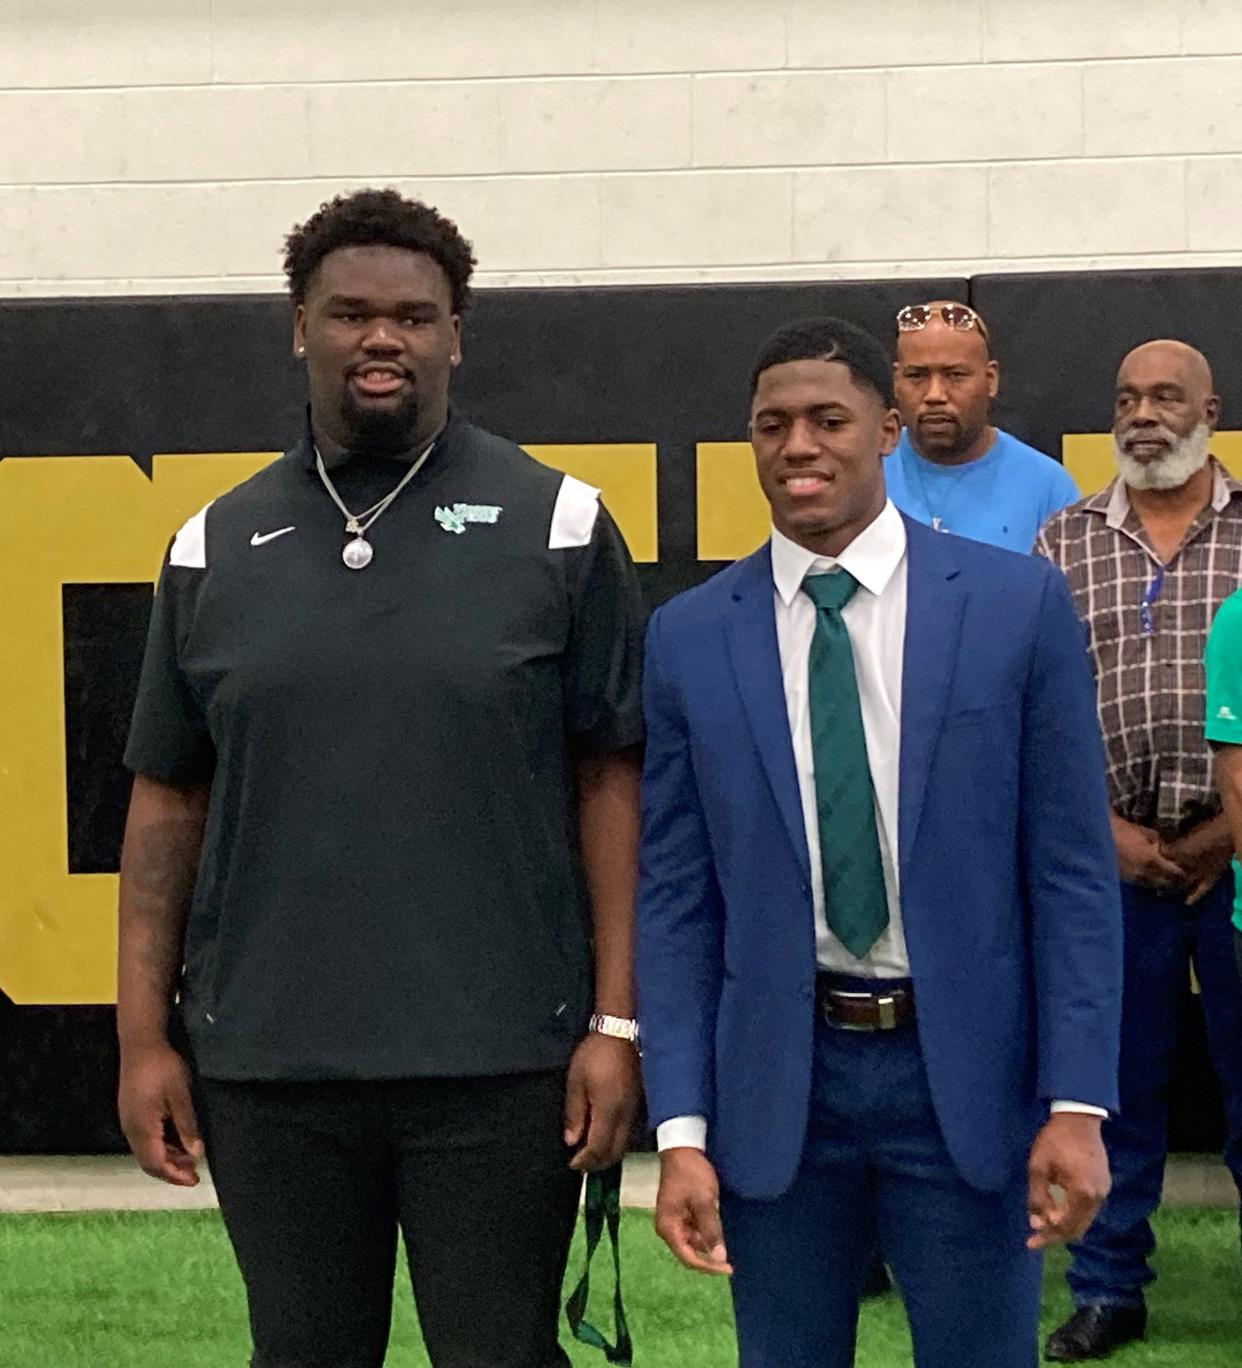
[573, 518]
[189, 548]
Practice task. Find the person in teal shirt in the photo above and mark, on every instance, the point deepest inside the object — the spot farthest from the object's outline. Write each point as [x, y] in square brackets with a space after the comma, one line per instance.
[1223, 663]
[952, 469]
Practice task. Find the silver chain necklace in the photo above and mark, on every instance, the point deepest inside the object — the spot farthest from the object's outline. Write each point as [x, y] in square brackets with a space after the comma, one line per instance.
[359, 552]
[938, 518]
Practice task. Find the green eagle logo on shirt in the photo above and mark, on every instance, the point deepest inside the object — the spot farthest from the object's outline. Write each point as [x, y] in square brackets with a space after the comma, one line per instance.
[454, 519]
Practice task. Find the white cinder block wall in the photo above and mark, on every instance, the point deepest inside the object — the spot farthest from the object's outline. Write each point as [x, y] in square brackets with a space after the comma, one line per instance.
[167, 145]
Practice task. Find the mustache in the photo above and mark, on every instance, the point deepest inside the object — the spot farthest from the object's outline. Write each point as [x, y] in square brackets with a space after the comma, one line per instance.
[1149, 434]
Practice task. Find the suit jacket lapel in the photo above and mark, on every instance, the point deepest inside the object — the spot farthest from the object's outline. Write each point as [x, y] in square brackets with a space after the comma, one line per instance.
[755, 655]
[935, 600]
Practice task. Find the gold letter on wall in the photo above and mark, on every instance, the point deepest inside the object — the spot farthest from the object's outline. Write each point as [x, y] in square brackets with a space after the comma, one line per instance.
[734, 517]
[100, 521]
[625, 475]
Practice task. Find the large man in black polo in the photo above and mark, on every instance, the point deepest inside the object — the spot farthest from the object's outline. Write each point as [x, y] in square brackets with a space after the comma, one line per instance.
[384, 814]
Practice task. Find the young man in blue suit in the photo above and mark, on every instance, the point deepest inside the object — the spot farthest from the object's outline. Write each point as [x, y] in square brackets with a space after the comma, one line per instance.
[879, 945]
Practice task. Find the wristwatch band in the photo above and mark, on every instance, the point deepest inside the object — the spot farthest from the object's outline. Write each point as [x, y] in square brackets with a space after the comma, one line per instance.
[622, 1028]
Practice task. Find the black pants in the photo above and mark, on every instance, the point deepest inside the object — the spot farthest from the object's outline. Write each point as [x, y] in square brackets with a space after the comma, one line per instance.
[314, 1180]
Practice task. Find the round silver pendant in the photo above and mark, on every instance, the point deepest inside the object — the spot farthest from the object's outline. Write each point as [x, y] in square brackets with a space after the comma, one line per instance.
[357, 554]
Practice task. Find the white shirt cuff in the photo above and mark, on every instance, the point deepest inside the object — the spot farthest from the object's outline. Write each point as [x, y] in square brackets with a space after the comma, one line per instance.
[690, 1132]
[682, 1132]
[1082, 1108]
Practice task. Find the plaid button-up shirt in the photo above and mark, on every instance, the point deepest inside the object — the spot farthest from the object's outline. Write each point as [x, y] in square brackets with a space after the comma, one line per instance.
[1147, 626]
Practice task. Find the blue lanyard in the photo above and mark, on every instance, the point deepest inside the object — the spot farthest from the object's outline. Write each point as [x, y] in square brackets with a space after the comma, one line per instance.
[1146, 619]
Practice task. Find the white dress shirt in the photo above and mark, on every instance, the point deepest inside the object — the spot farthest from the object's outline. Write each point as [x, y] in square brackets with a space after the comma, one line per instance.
[875, 619]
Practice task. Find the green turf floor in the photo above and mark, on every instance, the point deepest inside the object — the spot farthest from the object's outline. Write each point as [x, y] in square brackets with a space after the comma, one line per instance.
[154, 1290]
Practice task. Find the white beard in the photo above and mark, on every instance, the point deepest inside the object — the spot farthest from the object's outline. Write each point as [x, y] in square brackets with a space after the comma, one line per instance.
[1185, 457]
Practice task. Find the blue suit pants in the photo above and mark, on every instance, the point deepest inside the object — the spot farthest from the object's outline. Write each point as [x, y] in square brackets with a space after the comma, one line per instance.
[876, 1164]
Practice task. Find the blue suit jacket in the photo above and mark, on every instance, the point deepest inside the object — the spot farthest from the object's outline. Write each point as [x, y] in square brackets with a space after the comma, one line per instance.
[1008, 875]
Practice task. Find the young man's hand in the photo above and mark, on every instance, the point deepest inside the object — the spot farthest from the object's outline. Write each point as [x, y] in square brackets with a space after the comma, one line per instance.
[1068, 1155]
[687, 1216]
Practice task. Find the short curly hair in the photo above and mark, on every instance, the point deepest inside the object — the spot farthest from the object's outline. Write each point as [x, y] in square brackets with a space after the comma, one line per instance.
[829, 339]
[379, 217]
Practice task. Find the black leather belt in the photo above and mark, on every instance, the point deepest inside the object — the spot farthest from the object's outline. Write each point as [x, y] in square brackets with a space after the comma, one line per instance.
[885, 1008]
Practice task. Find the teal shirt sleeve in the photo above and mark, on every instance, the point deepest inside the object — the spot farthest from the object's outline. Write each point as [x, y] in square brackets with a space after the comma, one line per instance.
[1223, 663]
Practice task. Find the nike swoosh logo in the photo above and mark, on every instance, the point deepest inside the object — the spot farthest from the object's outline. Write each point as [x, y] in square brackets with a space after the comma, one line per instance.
[260, 537]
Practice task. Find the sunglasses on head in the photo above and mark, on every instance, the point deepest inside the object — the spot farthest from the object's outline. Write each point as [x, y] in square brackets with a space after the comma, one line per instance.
[960, 317]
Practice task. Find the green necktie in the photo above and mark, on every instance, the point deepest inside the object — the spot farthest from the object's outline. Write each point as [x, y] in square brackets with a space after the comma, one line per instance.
[855, 901]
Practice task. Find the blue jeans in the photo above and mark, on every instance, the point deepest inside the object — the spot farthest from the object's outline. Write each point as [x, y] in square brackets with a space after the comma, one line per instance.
[1163, 937]
[876, 1163]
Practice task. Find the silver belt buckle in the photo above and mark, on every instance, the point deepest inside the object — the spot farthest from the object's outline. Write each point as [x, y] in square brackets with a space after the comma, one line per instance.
[888, 1012]
[849, 1025]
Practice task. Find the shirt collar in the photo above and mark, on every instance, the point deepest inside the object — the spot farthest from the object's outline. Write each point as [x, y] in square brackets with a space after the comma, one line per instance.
[1117, 508]
[1114, 501]
[872, 557]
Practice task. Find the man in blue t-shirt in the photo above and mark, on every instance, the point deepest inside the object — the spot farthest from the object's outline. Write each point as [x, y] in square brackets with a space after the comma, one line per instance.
[952, 469]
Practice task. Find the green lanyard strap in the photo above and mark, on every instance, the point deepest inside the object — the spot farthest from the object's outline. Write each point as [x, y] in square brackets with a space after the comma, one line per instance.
[602, 1204]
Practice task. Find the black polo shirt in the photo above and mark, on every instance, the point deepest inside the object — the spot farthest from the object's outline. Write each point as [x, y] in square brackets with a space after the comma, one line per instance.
[390, 883]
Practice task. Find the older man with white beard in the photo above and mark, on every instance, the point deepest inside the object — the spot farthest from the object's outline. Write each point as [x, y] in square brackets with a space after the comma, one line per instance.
[1149, 560]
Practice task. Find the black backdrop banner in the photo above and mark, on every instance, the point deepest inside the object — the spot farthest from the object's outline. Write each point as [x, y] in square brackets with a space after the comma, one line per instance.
[660, 367]
[1060, 338]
